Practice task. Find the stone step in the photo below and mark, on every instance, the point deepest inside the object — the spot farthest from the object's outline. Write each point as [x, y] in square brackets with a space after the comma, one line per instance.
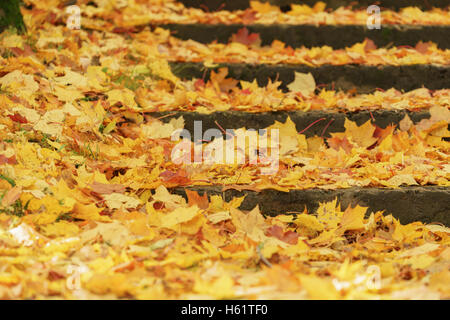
[262, 120]
[335, 36]
[213, 5]
[408, 204]
[343, 77]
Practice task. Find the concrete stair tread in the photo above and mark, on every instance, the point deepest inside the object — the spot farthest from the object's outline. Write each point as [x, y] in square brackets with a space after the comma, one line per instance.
[344, 77]
[239, 119]
[413, 203]
[335, 36]
[243, 4]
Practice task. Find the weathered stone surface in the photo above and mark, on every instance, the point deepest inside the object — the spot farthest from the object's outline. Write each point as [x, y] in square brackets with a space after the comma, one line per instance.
[344, 77]
[213, 5]
[339, 36]
[415, 203]
[239, 119]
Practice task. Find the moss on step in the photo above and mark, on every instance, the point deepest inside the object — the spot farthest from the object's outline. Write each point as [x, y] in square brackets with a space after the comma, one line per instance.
[10, 15]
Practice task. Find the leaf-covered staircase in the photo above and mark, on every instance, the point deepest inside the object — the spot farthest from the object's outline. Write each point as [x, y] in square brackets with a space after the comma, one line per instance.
[426, 203]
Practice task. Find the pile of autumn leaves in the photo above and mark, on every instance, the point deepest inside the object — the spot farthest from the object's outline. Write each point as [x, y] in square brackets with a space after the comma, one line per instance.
[247, 49]
[79, 160]
[210, 249]
[116, 15]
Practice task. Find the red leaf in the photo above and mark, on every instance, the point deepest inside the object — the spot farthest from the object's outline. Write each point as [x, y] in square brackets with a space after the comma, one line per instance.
[102, 188]
[195, 199]
[243, 36]
[290, 237]
[11, 196]
[370, 45]
[18, 118]
[381, 133]
[3, 159]
[423, 47]
[158, 205]
[10, 160]
[199, 84]
[336, 143]
[55, 275]
[26, 51]
[219, 80]
[249, 16]
[178, 177]
[275, 231]
[125, 30]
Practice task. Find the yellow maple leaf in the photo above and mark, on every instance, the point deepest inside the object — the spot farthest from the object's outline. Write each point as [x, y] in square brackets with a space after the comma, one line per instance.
[60, 229]
[300, 9]
[173, 219]
[13, 41]
[220, 288]
[251, 224]
[171, 201]
[263, 8]
[358, 48]
[121, 201]
[88, 212]
[318, 288]
[329, 213]
[124, 96]
[161, 68]
[193, 226]
[219, 216]
[362, 135]
[399, 179]
[421, 261]
[441, 281]
[114, 232]
[96, 77]
[67, 94]
[22, 84]
[353, 218]
[303, 9]
[290, 140]
[303, 83]
[116, 283]
[308, 221]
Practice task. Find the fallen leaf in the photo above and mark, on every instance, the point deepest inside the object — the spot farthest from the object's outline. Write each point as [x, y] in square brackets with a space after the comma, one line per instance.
[243, 36]
[11, 196]
[103, 188]
[303, 83]
[406, 123]
[195, 199]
